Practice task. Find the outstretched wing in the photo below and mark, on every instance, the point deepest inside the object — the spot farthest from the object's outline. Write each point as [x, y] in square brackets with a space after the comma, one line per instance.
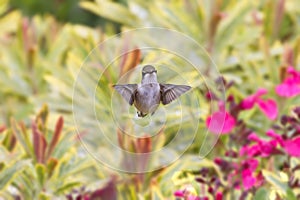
[127, 91]
[170, 92]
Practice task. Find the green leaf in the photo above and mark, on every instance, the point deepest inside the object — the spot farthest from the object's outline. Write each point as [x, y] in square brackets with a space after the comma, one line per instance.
[67, 187]
[43, 116]
[261, 194]
[290, 195]
[51, 165]
[9, 141]
[41, 174]
[112, 11]
[274, 180]
[230, 23]
[44, 196]
[22, 136]
[9, 173]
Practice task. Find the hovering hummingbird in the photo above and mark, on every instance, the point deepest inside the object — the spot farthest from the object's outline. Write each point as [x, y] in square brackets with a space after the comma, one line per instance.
[147, 95]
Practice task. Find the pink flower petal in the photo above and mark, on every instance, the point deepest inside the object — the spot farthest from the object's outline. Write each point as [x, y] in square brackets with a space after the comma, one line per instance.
[219, 196]
[179, 193]
[268, 107]
[262, 147]
[192, 197]
[254, 137]
[271, 133]
[252, 164]
[261, 91]
[220, 122]
[248, 179]
[291, 70]
[291, 85]
[292, 147]
[243, 150]
[250, 151]
[221, 106]
[254, 150]
[289, 88]
[267, 148]
[249, 101]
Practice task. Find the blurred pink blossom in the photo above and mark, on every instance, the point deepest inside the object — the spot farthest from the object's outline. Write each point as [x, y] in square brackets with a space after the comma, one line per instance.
[249, 102]
[192, 197]
[266, 148]
[219, 196]
[179, 193]
[248, 168]
[262, 148]
[248, 179]
[290, 87]
[250, 163]
[292, 147]
[186, 195]
[268, 106]
[220, 122]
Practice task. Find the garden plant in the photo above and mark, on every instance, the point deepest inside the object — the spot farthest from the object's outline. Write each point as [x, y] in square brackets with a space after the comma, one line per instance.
[65, 132]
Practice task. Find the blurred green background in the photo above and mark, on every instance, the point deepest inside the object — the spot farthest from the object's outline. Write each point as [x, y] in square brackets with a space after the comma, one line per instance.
[42, 47]
[63, 11]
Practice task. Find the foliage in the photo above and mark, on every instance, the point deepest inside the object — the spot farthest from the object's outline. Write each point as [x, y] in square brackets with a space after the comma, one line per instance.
[254, 44]
[63, 11]
[47, 161]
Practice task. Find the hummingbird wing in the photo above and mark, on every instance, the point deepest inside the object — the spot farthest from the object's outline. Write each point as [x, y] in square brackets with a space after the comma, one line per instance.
[170, 92]
[127, 91]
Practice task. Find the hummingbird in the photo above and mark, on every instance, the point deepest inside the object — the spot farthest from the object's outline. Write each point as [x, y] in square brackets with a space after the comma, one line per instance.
[147, 95]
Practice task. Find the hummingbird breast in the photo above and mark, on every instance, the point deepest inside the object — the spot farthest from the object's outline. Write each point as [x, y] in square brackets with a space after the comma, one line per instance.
[147, 97]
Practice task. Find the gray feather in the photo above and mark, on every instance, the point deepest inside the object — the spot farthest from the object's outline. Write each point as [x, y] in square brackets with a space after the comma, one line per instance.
[127, 91]
[170, 92]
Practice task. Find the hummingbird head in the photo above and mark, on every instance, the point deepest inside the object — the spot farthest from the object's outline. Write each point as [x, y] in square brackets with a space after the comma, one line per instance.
[148, 69]
[149, 74]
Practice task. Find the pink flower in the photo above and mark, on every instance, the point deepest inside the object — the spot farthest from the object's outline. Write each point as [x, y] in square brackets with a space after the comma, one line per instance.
[268, 106]
[250, 164]
[186, 195]
[271, 133]
[249, 102]
[220, 122]
[262, 148]
[245, 170]
[265, 148]
[219, 196]
[248, 179]
[179, 193]
[250, 151]
[292, 147]
[192, 197]
[291, 85]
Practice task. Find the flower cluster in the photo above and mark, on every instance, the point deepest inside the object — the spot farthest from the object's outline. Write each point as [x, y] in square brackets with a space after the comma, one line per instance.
[240, 164]
[223, 121]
